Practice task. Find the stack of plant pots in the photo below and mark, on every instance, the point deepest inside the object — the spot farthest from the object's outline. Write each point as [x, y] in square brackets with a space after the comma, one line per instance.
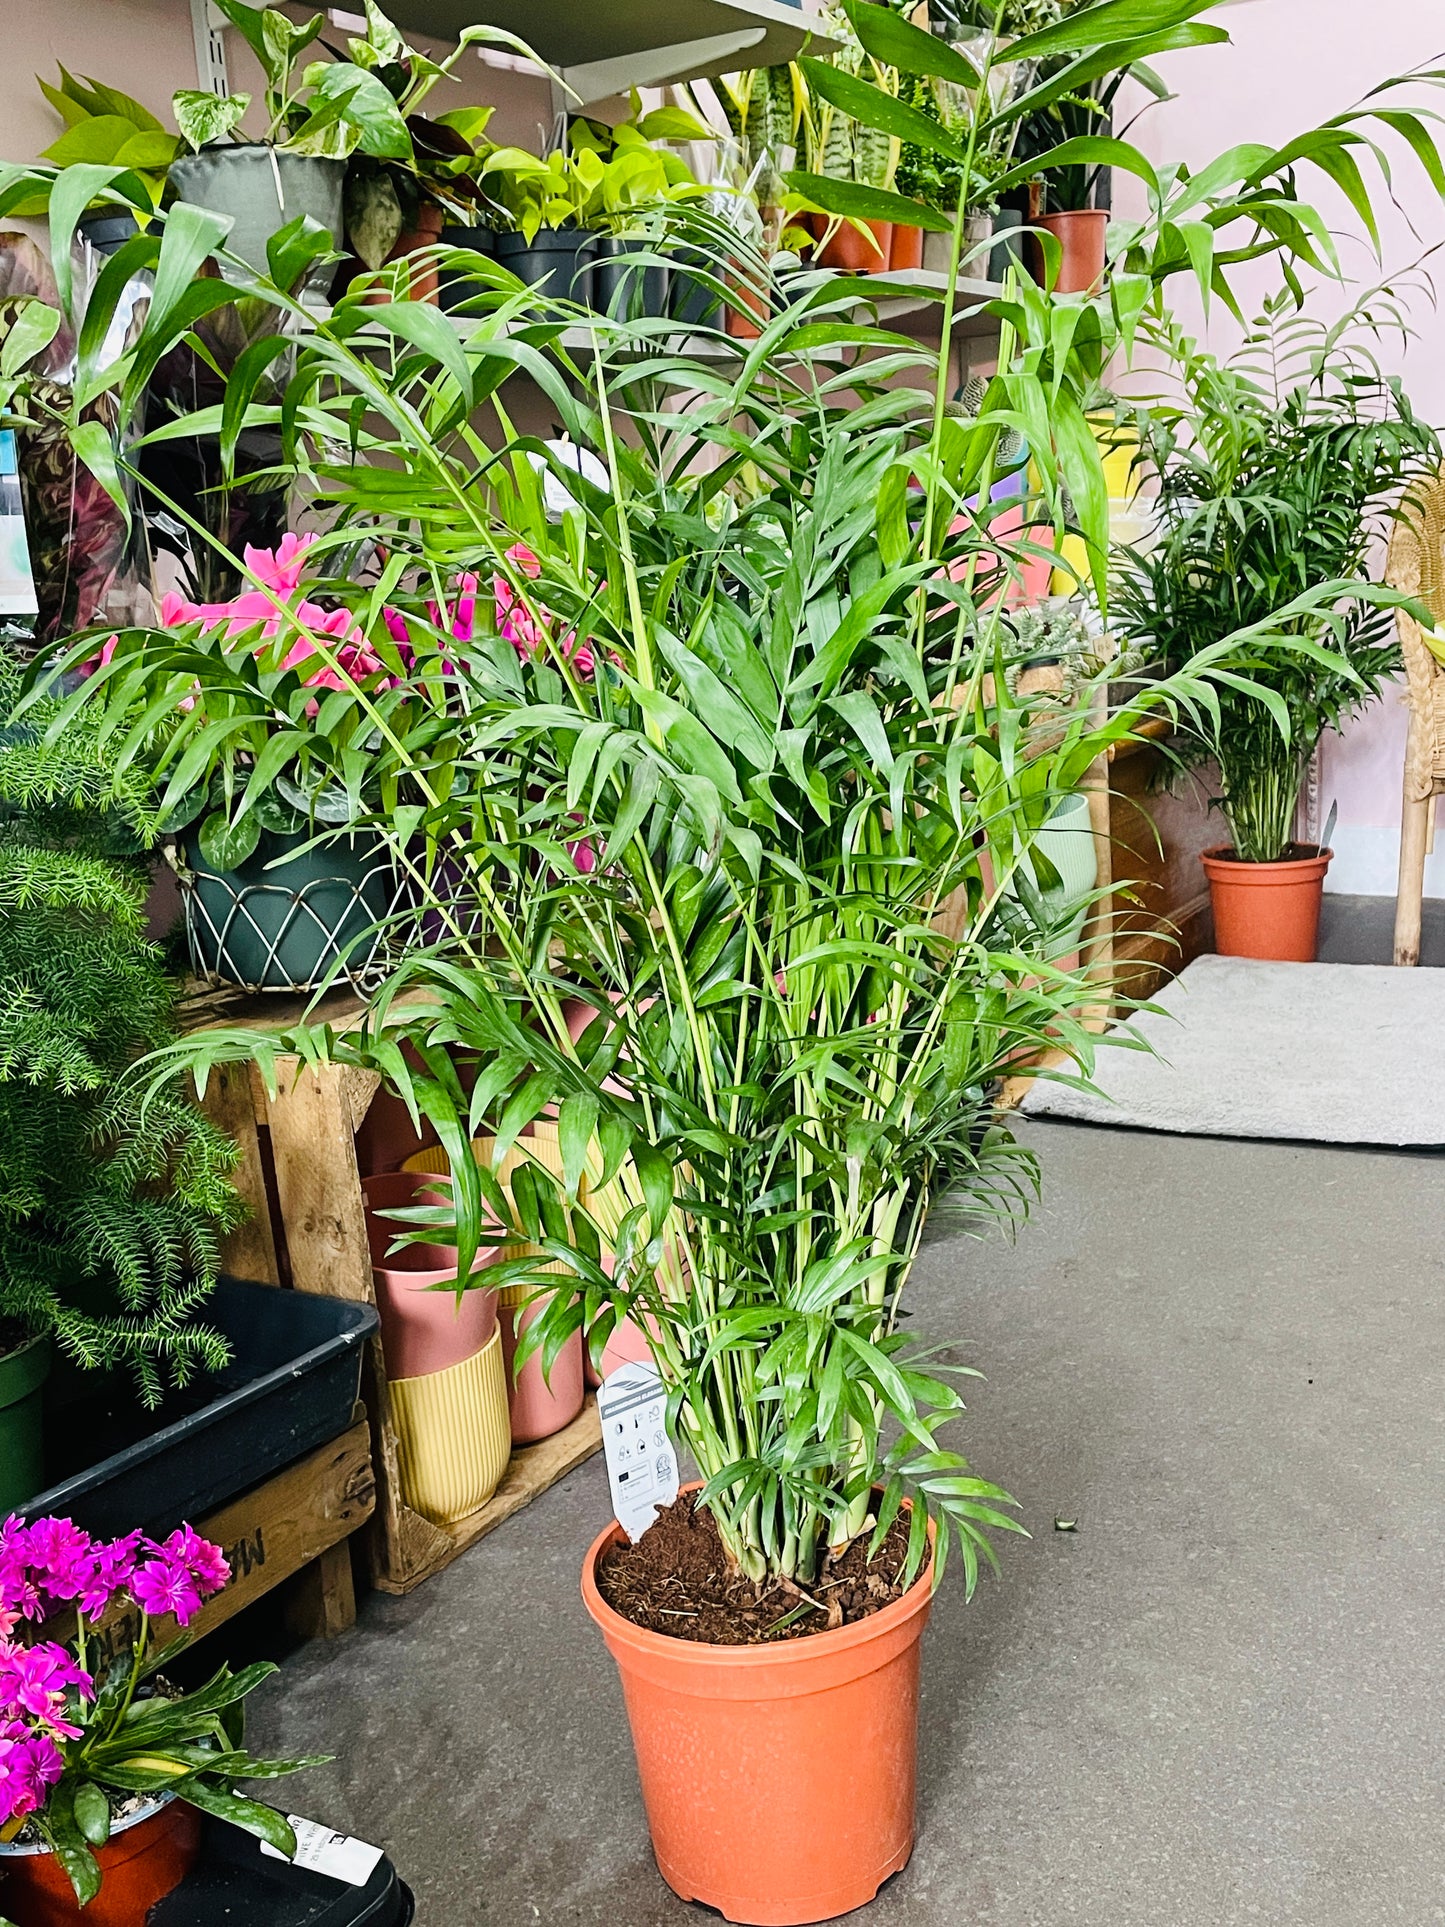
[540, 1402]
[444, 1359]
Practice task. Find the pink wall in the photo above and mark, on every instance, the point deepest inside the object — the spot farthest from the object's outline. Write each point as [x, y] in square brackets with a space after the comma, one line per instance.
[1292, 64]
[147, 48]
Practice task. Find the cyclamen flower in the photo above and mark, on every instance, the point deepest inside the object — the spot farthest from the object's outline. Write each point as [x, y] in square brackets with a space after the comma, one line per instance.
[528, 634]
[280, 569]
[30, 1764]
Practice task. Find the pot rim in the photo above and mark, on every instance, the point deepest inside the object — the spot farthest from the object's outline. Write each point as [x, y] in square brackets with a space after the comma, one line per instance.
[1223, 855]
[28, 1363]
[155, 1803]
[751, 1659]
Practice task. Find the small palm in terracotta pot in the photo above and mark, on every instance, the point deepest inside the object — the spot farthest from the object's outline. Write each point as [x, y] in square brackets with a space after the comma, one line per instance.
[1271, 506]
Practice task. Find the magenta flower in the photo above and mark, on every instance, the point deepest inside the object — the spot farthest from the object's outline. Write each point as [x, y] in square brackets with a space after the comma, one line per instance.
[19, 1595]
[30, 1764]
[111, 1566]
[33, 1680]
[205, 1562]
[60, 1557]
[164, 1585]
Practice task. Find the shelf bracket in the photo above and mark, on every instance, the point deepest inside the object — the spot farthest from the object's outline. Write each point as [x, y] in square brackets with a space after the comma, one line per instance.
[207, 25]
[660, 66]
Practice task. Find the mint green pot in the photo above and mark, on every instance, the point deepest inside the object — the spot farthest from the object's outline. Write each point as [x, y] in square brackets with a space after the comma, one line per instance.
[22, 1382]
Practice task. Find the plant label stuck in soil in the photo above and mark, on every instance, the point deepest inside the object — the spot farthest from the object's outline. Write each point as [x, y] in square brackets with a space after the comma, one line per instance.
[319, 1850]
[641, 1463]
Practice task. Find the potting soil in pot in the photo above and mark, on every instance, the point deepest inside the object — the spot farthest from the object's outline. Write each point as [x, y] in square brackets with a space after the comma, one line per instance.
[677, 1580]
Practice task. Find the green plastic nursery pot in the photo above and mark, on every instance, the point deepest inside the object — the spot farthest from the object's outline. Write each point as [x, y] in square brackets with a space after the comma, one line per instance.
[22, 1383]
[1267, 910]
[778, 1780]
[281, 921]
[263, 189]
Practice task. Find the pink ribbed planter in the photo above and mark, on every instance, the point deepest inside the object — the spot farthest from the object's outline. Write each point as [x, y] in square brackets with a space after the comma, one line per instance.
[422, 1330]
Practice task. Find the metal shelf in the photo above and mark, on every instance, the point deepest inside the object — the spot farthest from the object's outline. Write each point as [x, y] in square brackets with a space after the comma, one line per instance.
[911, 300]
[603, 47]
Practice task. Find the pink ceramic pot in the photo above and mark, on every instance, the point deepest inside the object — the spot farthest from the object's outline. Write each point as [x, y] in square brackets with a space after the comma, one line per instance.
[539, 1406]
[627, 1346]
[422, 1330]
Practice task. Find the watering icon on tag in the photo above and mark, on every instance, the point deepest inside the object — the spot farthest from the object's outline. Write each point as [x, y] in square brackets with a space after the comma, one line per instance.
[641, 1464]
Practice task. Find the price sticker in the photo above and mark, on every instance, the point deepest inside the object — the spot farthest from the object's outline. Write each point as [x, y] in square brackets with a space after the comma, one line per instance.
[320, 1850]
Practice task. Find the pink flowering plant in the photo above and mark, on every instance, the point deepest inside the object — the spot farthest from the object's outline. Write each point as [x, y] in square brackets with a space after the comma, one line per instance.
[309, 702]
[277, 710]
[81, 1734]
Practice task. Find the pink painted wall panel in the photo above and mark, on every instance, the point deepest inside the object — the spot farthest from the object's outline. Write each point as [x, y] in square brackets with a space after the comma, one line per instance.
[1292, 64]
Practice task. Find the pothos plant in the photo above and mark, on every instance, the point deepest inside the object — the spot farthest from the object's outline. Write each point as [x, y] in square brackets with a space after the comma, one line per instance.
[364, 105]
[734, 787]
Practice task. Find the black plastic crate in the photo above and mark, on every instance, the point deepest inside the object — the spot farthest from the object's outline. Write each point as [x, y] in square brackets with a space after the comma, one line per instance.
[291, 1386]
[236, 1884]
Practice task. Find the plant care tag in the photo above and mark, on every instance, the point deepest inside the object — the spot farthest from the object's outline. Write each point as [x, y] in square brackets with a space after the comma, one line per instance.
[641, 1464]
[319, 1850]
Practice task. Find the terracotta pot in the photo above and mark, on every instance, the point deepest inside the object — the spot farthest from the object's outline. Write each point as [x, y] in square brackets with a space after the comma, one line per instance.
[1268, 910]
[422, 281]
[745, 322]
[1081, 235]
[907, 248]
[854, 253]
[145, 1859]
[778, 1780]
[422, 1330]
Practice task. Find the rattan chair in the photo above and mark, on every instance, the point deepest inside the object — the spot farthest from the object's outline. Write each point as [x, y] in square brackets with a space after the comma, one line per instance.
[1417, 565]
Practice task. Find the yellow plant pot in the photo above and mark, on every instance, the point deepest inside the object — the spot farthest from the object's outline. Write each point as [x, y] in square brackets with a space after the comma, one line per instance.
[454, 1434]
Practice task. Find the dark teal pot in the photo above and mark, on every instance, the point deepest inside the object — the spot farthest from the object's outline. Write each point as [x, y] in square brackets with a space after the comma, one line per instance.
[22, 1384]
[283, 921]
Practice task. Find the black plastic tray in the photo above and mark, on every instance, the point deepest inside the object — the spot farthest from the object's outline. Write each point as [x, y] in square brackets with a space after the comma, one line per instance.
[290, 1387]
[236, 1884]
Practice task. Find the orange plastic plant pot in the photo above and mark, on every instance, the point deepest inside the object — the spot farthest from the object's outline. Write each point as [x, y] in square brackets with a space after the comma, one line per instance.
[1267, 910]
[1082, 236]
[778, 1780]
[855, 253]
[139, 1865]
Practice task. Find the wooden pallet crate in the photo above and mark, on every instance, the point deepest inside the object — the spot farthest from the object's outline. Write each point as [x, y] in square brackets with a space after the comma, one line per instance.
[306, 1134]
[295, 1527]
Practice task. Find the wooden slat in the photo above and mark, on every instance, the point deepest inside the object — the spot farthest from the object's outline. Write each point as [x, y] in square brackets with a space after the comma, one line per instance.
[532, 1469]
[267, 1535]
[250, 1250]
[323, 1595]
[318, 1184]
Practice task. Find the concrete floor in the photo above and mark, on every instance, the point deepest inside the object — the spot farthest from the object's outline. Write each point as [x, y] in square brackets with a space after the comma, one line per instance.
[1222, 1700]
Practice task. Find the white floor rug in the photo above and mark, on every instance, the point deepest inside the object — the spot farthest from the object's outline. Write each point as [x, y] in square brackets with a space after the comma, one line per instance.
[1336, 1053]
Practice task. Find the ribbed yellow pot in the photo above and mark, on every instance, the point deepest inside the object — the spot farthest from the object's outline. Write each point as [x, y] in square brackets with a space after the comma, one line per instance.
[453, 1434]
